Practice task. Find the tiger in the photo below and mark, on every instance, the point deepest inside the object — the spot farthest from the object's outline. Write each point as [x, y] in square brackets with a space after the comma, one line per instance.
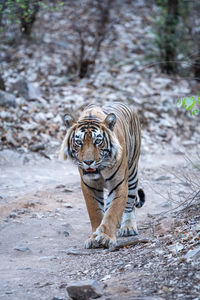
[105, 145]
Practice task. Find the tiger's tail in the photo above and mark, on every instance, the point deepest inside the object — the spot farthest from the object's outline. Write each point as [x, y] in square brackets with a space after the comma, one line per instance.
[141, 200]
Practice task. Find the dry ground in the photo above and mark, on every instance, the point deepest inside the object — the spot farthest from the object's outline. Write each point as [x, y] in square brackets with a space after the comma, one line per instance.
[44, 224]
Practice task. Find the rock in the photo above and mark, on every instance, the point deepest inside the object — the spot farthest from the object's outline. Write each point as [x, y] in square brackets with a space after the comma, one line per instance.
[22, 248]
[37, 147]
[10, 139]
[163, 227]
[150, 298]
[67, 191]
[9, 292]
[67, 205]
[83, 290]
[106, 277]
[175, 248]
[193, 254]
[162, 177]
[26, 89]
[7, 99]
[66, 233]
[13, 215]
[40, 118]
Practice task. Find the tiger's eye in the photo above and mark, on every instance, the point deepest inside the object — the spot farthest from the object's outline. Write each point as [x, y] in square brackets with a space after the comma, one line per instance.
[78, 142]
[98, 141]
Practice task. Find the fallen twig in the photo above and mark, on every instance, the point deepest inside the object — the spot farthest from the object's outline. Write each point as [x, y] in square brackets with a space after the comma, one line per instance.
[122, 244]
[130, 242]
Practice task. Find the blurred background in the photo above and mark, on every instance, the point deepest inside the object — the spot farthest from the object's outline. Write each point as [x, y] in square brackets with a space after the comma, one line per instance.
[58, 56]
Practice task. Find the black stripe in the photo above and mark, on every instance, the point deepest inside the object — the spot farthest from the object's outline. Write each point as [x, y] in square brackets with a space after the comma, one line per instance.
[116, 187]
[108, 204]
[133, 174]
[133, 186]
[92, 188]
[88, 122]
[111, 177]
[128, 210]
[132, 196]
[132, 171]
[131, 179]
[105, 112]
[99, 201]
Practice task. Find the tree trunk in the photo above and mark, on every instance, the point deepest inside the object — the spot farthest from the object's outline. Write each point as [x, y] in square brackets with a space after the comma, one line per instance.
[197, 64]
[170, 40]
[2, 85]
[27, 22]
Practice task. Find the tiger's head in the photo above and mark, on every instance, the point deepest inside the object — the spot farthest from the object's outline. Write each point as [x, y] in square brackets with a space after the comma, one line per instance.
[91, 144]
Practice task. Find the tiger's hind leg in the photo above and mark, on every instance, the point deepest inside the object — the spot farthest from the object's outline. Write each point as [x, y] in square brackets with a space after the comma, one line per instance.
[128, 224]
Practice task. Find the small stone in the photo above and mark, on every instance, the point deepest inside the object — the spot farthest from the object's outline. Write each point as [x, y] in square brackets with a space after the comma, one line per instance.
[34, 215]
[59, 200]
[63, 286]
[193, 254]
[67, 191]
[67, 205]
[7, 99]
[26, 89]
[37, 147]
[176, 248]
[163, 227]
[106, 277]
[151, 298]
[22, 248]
[13, 215]
[60, 186]
[83, 290]
[40, 118]
[47, 258]
[66, 233]
[163, 177]
[9, 292]
[165, 289]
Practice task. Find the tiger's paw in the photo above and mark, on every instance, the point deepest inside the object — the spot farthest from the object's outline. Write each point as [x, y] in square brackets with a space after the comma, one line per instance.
[105, 241]
[91, 243]
[127, 231]
[100, 241]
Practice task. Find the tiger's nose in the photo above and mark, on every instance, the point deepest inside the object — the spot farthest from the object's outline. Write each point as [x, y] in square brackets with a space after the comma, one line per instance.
[88, 162]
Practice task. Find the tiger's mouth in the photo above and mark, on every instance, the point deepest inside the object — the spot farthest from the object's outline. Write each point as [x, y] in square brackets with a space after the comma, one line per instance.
[91, 171]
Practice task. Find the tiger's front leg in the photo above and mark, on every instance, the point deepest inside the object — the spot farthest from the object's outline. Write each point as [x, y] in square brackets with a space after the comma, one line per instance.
[93, 194]
[105, 235]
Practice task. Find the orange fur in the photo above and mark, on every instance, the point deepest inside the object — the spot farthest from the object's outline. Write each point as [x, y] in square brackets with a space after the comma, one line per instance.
[99, 143]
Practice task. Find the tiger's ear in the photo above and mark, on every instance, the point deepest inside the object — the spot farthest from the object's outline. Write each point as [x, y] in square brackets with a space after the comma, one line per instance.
[110, 121]
[68, 120]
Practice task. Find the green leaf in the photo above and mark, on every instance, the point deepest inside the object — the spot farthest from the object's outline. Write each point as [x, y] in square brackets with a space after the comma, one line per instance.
[198, 100]
[189, 103]
[180, 102]
[195, 112]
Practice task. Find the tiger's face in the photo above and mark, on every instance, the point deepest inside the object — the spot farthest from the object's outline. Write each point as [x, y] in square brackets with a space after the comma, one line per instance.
[90, 149]
[90, 146]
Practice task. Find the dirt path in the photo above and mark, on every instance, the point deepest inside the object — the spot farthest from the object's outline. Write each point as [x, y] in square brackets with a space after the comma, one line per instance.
[43, 214]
